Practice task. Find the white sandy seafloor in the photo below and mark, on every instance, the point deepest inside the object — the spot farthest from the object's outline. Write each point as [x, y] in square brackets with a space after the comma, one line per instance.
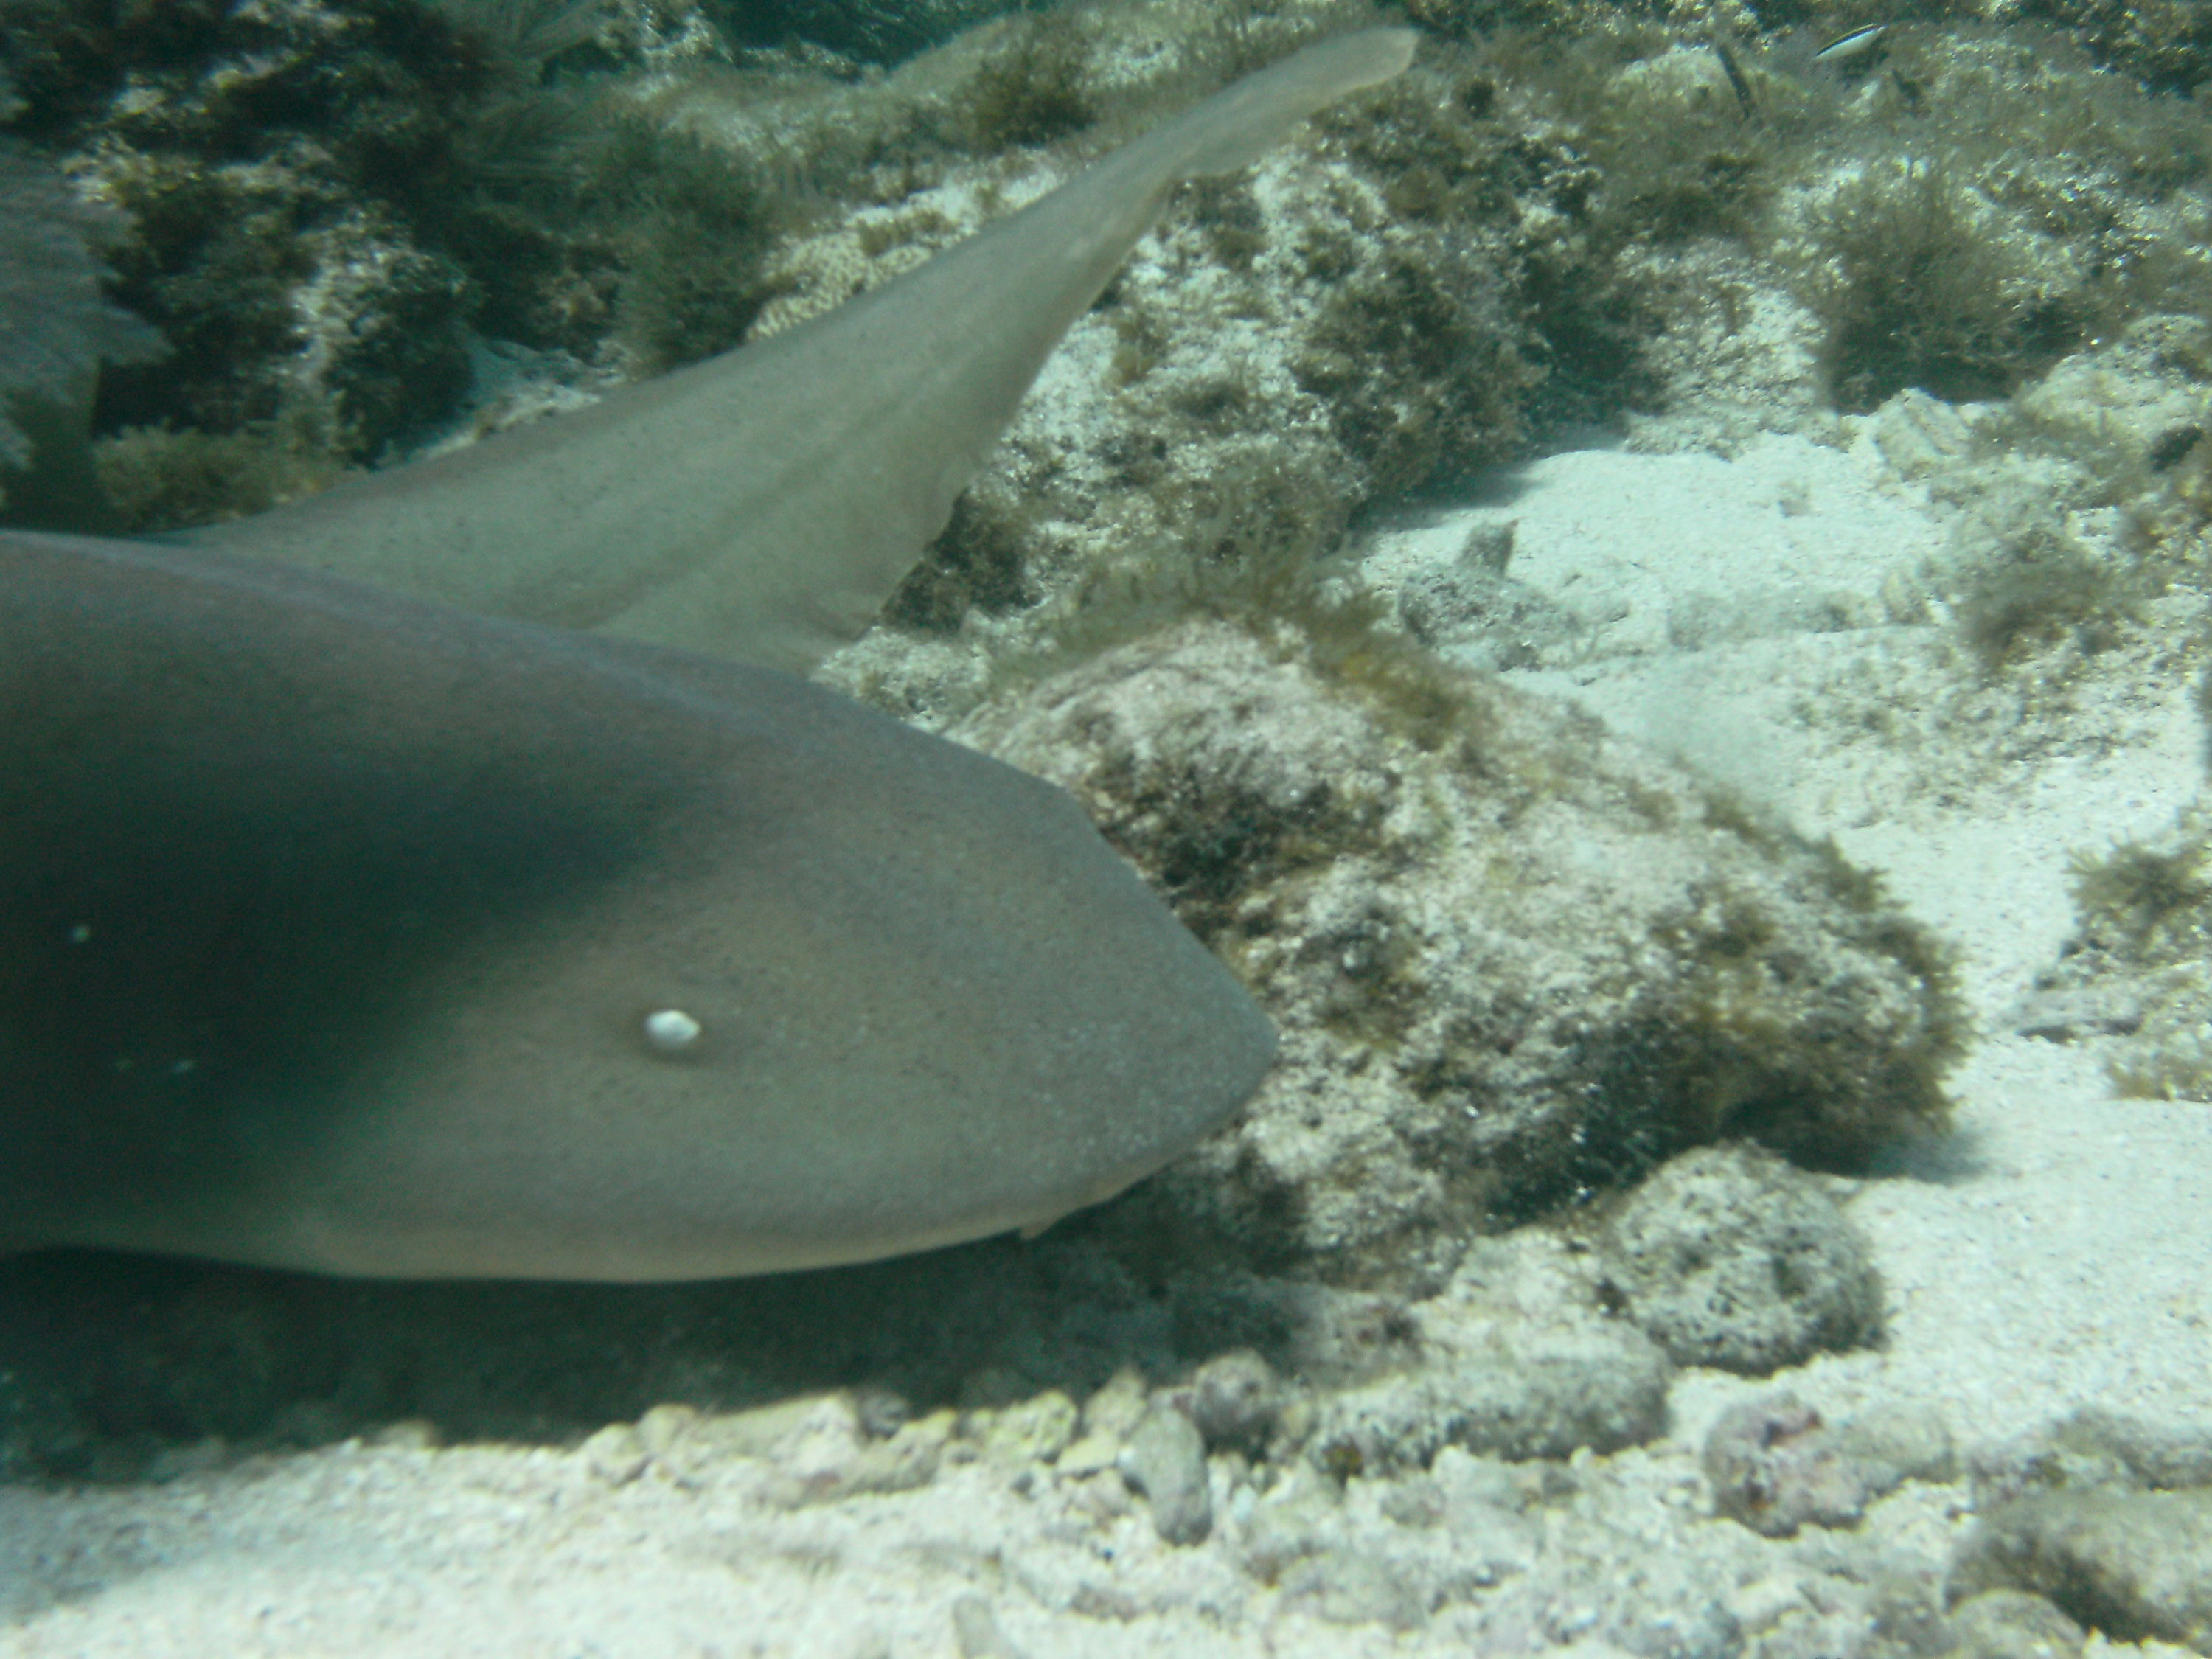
[2059, 1259]
[2063, 1262]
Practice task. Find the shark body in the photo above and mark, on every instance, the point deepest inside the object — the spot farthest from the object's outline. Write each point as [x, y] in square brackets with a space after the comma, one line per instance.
[444, 876]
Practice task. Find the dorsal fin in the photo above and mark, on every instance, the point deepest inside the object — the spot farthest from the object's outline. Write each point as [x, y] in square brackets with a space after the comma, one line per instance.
[763, 504]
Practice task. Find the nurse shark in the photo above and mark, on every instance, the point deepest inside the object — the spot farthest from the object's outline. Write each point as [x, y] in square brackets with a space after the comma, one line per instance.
[450, 875]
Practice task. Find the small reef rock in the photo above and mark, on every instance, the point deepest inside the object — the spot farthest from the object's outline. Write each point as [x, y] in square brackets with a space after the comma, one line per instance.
[2109, 1517]
[1515, 1359]
[1776, 1466]
[1730, 1257]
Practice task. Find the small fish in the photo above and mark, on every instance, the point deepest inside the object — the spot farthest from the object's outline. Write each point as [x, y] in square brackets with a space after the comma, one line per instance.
[1856, 44]
[1737, 83]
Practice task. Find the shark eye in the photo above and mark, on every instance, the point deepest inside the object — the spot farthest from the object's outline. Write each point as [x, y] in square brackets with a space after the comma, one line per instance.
[670, 1030]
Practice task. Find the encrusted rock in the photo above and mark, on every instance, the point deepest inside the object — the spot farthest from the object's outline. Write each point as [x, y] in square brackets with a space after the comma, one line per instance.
[1034, 1431]
[1730, 1257]
[615, 1455]
[2108, 1516]
[1776, 1466]
[1165, 1459]
[1235, 1400]
[1512, 1365]
[976, 1631]
[2093, 1449]
[2006, 1624]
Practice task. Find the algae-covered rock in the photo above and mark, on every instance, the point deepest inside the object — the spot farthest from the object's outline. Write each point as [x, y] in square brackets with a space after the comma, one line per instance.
[2135, 970]
[2136, 1565]
[1512, 962]
[267, 158]
[2165, 44]
[318, 204]
[873, 31]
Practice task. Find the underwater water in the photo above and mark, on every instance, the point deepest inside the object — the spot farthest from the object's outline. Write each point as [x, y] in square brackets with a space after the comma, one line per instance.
[1642, 586]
